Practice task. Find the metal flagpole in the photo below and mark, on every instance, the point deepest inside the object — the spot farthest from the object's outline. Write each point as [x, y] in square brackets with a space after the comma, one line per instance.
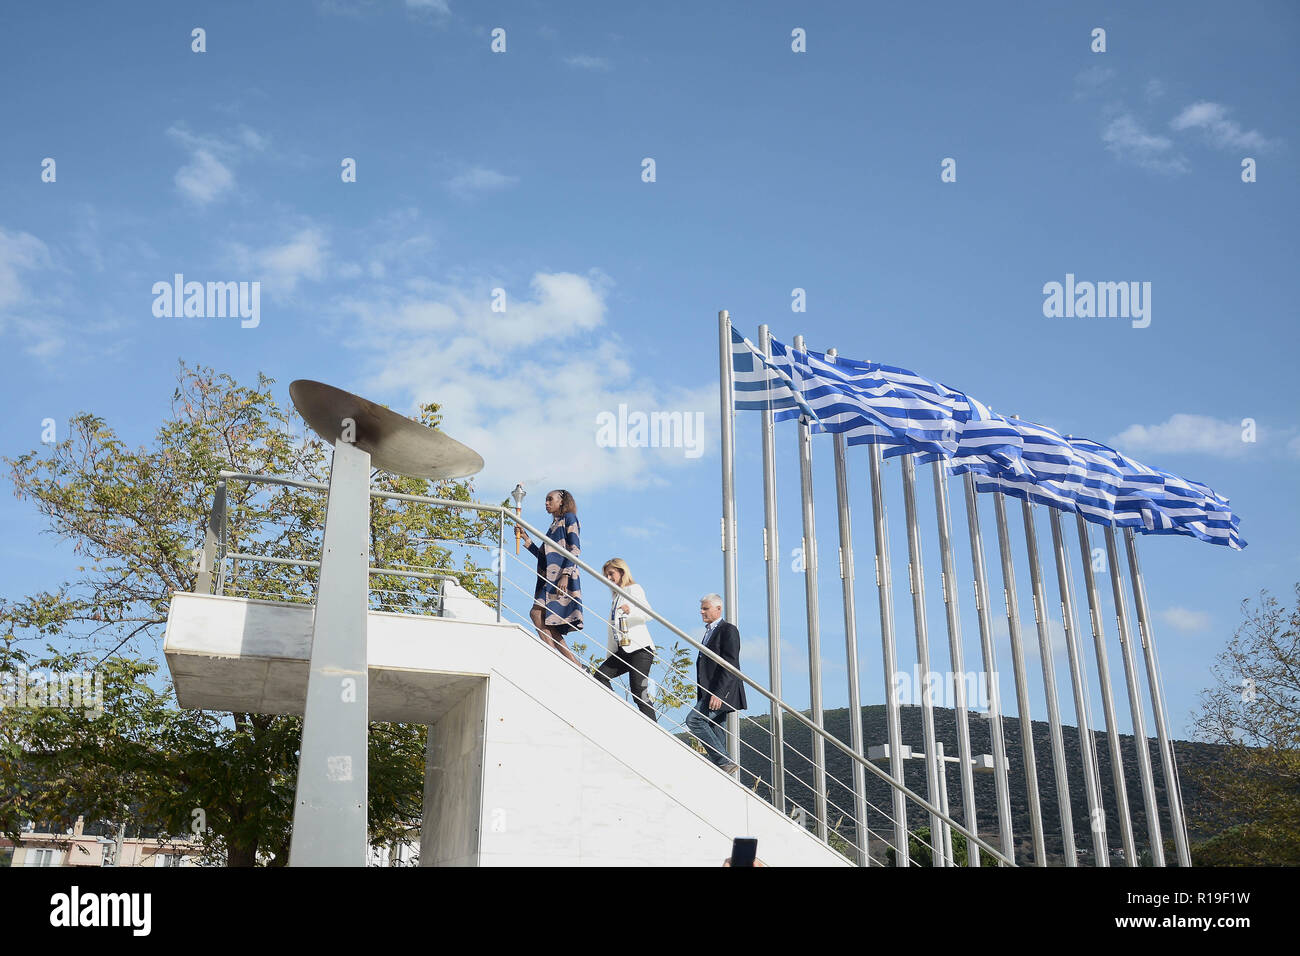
[851, 646]
[809, 551]
[942, 761]
[916, 580]
[955, 653]
[1049, 688]
[1140, 742]
[1172, 792]
[993, 691]
[1087, 745]
[727, 400]
[501, 559]
[772, 558]
[885, 593]
[1107, 694]
[1022, 680]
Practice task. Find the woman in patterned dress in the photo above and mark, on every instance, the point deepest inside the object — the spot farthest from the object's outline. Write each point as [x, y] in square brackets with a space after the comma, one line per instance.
[557, 598]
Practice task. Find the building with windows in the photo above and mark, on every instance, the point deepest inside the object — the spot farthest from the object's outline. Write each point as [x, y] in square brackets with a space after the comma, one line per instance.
[96, 845]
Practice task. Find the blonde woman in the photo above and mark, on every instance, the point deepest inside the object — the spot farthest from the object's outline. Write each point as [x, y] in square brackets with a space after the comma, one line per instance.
[630, 648]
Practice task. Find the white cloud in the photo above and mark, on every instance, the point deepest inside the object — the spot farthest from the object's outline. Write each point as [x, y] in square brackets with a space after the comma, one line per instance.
[186, 139]
[253, 139]
[25, 312]
[43, 338]
[280, 267]
[1029, 634]
[436, 9]
[479, 180]
[1184, 620]
[1092, 80]
[1155, 89]
[1293, 446]
[353, 8]
[204, 179]
[585, 62]
[1126, 138]
[1185, 433]
[524, 387]
[754, 656]
[649, 528]
[19, 252]
[209, 174]
[398, 242]
[1212, 118]
[87, 236]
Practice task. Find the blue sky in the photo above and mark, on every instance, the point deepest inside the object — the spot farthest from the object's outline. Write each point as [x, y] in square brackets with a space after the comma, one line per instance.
[775, 170]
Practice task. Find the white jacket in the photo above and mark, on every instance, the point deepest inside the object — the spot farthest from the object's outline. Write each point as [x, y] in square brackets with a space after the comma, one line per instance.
[637, 631]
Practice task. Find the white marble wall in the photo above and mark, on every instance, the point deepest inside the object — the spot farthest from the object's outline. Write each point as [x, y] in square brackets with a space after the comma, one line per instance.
[571, 774]
[453, 779]
[459, 605]
[576, 778]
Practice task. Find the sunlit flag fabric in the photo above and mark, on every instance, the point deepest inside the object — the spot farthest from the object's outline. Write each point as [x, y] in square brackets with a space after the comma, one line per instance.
[763, 385]
[870, 403]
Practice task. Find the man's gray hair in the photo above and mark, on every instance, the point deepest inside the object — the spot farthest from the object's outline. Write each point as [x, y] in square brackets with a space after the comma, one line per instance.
[712, 600]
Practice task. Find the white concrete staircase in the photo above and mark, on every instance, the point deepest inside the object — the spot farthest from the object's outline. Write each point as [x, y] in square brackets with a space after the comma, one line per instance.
[530, 762]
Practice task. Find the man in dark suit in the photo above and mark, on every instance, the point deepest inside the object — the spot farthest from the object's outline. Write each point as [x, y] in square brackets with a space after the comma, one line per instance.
[719, 691]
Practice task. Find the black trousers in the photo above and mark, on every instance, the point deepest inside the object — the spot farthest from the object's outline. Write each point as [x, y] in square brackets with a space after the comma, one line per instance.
[636, 664]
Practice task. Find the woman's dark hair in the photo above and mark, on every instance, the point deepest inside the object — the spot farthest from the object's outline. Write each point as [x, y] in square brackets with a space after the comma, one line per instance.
[567, 505]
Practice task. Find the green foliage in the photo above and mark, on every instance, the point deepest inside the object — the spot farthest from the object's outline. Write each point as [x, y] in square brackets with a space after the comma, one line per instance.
[671, 673]
[135, 518]
[838, 842]
[48, 754]
[1242, 845]
[1147, 858]
[589, 660]
[676, 686]
[921, 853]
[1251, 797]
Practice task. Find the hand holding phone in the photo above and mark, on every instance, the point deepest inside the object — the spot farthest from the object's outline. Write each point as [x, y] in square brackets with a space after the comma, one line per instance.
[744, 852]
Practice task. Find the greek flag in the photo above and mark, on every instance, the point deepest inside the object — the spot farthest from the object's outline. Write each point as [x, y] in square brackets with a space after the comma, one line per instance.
[906, 414]
[763, 385]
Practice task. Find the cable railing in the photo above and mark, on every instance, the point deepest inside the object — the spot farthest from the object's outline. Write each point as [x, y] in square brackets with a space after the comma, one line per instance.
[761, 756]
[787, 709]
[220, 573]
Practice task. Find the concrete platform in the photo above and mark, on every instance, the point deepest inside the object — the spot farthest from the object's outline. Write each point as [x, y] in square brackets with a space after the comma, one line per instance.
[530, 762]
[247, 656]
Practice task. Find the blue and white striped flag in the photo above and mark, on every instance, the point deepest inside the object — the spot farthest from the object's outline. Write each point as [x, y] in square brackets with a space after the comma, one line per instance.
[765, 386]
[870, 403]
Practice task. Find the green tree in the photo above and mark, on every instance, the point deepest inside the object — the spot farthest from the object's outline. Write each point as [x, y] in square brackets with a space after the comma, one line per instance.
[670, 671]
[921, 854]
[135, 517]
[1251, 797]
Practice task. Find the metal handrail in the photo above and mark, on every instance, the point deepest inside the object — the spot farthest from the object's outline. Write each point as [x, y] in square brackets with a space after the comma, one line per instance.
[374, 569]
[217, 524]
[808, 759]
[835, 741]
[845, 813]
[507, 513]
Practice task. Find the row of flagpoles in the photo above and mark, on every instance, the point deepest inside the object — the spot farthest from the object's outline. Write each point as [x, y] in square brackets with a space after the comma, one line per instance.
[871, 403]
[897, 413]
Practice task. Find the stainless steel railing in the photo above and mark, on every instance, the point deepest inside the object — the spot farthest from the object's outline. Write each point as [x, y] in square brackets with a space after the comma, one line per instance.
[803, 809]
[214, 560]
